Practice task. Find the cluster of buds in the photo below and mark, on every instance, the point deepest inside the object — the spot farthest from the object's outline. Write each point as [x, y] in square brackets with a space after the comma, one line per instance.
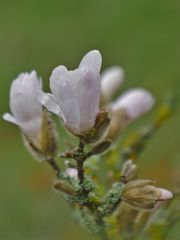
[76, 97]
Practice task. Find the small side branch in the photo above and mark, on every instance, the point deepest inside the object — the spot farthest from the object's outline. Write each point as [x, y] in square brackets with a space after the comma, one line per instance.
[54, 165]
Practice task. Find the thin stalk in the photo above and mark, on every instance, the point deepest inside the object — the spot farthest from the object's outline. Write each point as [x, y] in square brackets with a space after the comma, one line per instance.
[54, 165]
[80, 158]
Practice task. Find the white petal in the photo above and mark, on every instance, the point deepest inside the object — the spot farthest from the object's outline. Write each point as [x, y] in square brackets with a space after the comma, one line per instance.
[64, 86]
[89, 89]
[135, 101]
[24, 104]
[165, 194]
[111, 80]
[92, 60]
[50, 102]
[88, 98]
[60, 83]
[8, 117]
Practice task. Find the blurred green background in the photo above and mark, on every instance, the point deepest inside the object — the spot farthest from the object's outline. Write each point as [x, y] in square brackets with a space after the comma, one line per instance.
[142, 36]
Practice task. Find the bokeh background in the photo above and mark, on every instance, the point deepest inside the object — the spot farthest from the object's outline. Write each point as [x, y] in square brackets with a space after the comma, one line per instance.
[141, 36]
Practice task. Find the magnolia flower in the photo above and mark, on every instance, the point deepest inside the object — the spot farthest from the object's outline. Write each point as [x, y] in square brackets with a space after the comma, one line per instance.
[111, 80]
[131, 105]
[75, 94]
[142, 194]
[27, 113]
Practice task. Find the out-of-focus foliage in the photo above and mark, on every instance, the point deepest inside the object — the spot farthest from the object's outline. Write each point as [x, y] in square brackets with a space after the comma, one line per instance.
[142, 36]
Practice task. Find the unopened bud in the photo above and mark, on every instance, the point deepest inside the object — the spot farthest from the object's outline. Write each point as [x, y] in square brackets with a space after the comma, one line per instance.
[65, 187]
[111, 80]
[136, 102]
[131, 105]
[100, 148]
[129, 170]
[143, 195]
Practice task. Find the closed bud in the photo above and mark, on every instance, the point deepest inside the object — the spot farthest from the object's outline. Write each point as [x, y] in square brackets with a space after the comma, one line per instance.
[101, 147]
[135, 101]
[129, 170]
[64, 186]
[128, 107]
[111, 80]
[143, 195]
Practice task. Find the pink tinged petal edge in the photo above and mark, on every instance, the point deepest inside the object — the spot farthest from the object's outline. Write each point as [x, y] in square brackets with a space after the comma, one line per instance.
[165, 194]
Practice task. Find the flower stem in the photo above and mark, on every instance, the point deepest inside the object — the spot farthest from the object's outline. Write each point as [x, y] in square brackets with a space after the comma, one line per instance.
[80, 158]
[54, 165]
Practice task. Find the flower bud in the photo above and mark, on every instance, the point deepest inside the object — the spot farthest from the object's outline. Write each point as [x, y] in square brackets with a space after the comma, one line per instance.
[111, 80]
[129, 170]
[143, 195]
[100, 148]
[127, 108]
[136, 102]
[64, 186]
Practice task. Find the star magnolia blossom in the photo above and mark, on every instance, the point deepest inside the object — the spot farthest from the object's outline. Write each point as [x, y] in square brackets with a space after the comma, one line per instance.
[75, 94]
[25, 108]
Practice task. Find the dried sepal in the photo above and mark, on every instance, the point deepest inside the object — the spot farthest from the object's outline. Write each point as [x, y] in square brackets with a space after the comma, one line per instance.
[100, 128]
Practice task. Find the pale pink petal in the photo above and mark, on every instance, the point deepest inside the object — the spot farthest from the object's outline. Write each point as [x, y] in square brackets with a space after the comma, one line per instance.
[111, 80]
[135, 102]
